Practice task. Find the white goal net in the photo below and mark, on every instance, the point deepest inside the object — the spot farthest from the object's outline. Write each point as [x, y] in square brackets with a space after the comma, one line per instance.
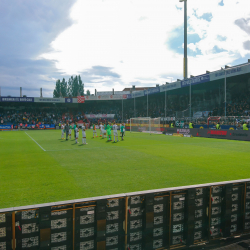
[145, 124]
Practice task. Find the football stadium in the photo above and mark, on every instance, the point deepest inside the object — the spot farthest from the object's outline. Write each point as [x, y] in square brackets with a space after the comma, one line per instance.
[165, 166]
[159, 163]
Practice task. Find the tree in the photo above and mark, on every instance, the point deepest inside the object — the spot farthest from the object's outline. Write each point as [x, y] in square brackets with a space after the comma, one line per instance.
[57, 90]
[64, 88]
[72, 88]
[75, 86]
[88, 92]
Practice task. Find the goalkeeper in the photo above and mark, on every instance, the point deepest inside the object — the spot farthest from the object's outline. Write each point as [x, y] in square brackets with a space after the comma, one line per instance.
[122, 130]
[109, 131]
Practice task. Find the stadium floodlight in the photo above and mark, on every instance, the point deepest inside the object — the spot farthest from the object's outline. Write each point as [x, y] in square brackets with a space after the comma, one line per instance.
[185, 66]
[185, 61]
[146, 125]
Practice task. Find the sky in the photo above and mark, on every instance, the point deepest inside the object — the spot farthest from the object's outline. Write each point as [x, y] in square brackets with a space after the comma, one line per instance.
[116, 43]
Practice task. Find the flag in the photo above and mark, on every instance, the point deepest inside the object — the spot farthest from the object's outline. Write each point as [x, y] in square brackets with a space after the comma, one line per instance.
[80, 99]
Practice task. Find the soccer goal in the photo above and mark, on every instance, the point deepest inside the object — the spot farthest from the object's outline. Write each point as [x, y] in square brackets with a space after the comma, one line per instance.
[146, 125]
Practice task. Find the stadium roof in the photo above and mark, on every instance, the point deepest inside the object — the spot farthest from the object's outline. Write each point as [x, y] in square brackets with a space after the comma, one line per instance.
[137, 89]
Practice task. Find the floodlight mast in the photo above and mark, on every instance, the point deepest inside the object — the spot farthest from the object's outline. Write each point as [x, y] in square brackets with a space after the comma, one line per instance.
[185, 61]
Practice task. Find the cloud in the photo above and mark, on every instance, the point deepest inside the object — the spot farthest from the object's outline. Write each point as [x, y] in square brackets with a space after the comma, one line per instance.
[27, 28]
[244, 24]
[147, 37]
[142, 18]
[114, 44]
[246, 45]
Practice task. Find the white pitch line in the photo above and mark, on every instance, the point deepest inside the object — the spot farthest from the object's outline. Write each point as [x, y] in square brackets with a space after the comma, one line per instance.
[69, 149]
[35, 142]
[121, 147]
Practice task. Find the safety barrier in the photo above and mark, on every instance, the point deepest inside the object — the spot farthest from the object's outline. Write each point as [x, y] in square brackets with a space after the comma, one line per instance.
[169, 218]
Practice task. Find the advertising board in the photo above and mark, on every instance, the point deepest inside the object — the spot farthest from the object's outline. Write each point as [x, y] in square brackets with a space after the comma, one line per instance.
[195, 80]
[16, 99]
[230, 72]
[152, 91]
[170, 86]
[53, 100]
[4, 127]
[97, 116]
[242, 135]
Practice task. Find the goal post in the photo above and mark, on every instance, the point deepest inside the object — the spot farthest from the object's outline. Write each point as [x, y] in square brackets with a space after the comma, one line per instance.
[145, 124]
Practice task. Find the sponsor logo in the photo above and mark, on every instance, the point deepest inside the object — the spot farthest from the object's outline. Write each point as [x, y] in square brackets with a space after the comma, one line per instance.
[152, 91]
[228, 72]
[68, 100]
[183, 131]
[217, 132]
[231, 128]
[168, 134]
[188, 136]
[196, 80]
[201, 127]
[179, 135]
[239, 134]
[17, 99]
[5, 126]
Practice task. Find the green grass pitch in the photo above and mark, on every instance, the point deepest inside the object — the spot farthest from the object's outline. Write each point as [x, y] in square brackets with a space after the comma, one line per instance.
[62, 170]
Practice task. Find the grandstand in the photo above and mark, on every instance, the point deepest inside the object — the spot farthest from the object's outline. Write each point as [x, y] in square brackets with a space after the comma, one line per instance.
[208, 98]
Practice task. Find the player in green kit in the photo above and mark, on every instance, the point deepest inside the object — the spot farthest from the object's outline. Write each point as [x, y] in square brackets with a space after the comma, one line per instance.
[75, 129]
[109, 131]
[122, 131]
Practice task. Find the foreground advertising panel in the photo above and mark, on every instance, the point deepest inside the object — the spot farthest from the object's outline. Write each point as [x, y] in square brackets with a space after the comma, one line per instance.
[194, 216]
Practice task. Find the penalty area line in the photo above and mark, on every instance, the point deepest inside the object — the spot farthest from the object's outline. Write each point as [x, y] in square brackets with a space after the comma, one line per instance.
[35, 141]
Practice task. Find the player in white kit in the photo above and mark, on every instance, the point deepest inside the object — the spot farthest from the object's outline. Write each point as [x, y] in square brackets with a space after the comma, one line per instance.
[101, 129]
[62, 128]
[84, 134]
[77, 133]
[104, 133]
[115, 131]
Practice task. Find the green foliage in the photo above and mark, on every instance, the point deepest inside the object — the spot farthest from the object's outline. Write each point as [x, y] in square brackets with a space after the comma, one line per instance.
[67, 171]
[57, 90]
[75, 86]
[72, 88]
[88, 92]
[64, 88]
